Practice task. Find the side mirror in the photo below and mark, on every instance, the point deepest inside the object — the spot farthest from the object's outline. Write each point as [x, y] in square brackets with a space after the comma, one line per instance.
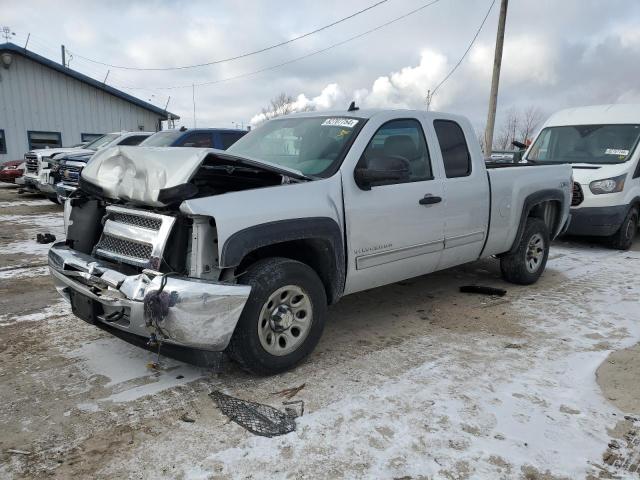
[382, 170]
[519, 145]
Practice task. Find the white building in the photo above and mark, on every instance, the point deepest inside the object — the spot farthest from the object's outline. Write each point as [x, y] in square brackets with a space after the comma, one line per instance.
[45, 104]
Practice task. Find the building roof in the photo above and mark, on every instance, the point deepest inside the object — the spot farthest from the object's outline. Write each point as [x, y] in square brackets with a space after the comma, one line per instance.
[596, 114]
[13, 48]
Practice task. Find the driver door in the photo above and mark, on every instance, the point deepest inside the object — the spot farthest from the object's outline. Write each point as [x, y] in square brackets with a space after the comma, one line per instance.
[395, 230]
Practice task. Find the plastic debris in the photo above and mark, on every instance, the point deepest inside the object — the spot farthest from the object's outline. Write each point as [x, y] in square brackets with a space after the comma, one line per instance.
[45, 238]
[259, 419]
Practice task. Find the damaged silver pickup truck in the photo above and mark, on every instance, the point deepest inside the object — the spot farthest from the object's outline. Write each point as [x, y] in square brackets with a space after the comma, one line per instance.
[204, 251]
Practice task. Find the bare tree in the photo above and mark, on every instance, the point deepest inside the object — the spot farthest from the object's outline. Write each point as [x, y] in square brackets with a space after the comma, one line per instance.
[531, 119]
[509, 130]
[283, 104]
[518, 125]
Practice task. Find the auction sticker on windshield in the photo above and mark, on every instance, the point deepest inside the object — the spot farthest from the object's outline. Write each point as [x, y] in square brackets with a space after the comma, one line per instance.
[340, 122]
[614, 151]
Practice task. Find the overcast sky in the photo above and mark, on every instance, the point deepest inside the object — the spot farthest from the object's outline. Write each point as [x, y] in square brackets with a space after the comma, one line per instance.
[558, 53]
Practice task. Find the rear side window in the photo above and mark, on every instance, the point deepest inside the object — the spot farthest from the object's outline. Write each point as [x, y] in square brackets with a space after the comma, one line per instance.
[133, 140]
[198, 140]
[229, 139]
[453, 145]
[3, 143]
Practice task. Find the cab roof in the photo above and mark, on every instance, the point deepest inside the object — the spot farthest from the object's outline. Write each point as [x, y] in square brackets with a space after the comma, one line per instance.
[616, 113]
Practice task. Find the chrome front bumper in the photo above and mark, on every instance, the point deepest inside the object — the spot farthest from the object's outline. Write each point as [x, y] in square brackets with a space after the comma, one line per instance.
[200, 314]
[63, 190]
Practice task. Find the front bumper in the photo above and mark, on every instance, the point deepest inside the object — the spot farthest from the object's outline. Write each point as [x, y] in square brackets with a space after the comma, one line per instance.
[63, 190]
[597, 221]
[199, 314]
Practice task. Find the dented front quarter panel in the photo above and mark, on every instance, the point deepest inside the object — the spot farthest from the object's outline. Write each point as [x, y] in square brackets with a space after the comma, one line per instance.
[236, 211]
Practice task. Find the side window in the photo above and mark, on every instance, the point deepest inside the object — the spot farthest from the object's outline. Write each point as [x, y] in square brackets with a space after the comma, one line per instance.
[453, 145]
[199, 140]
[403, 140]
[3, 142]
[44, 140]
[133, 140]
[229, 139]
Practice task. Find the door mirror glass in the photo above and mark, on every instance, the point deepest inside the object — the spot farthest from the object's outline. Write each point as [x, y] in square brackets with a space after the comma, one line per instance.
[382, 170]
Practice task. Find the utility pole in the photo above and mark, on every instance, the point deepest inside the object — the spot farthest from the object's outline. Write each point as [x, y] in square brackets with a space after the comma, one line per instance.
[428, 99]
[64, 56]
[495, 80]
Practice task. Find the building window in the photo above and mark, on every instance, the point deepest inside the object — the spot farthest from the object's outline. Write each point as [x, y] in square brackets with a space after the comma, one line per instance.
[44, 140]
[3, 142]
[89, 137]
[453, 145]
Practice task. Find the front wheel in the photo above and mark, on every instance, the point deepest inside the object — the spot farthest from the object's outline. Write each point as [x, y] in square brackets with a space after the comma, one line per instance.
[283, 318]
[623, 238]
[526, 264]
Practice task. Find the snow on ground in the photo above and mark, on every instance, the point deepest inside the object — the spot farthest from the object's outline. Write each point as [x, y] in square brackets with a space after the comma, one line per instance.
[471, 405]
[23, 272]
[33, 224]
[57, 309]
[26, 203]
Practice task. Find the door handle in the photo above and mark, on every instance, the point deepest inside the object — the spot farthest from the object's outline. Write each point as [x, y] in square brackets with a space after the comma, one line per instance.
[429, 200]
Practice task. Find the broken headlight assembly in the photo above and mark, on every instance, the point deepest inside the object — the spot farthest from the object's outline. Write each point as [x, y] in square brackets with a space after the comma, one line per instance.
[608, 185]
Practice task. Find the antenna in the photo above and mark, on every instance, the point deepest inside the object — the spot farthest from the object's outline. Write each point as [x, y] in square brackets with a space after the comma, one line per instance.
[7, 34]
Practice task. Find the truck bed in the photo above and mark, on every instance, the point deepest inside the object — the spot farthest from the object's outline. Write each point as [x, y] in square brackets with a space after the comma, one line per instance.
[511, 185]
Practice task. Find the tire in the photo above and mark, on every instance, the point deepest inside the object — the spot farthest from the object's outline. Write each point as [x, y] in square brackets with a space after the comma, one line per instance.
[287, 297]
[623, 238]
[526, 264]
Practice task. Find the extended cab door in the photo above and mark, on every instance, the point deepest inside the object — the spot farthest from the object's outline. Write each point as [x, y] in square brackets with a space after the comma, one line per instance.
[466, 187]
[394, 229]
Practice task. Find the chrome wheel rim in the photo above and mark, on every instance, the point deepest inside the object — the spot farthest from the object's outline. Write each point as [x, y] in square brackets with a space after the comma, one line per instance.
[285, 320]
[535, 253]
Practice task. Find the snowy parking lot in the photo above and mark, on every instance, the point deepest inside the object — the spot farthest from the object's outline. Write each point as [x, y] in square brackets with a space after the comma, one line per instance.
[414, 380]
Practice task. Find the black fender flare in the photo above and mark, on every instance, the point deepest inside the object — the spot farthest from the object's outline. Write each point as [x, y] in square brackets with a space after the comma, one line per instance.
[551, 194]
[324, 230]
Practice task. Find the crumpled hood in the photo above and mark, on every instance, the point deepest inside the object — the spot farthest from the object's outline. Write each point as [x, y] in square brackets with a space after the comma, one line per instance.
[137, 174]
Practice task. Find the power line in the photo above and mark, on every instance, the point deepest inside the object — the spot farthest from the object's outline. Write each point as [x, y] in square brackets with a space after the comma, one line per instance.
[293, 60]
[433, 92]
[237, 57]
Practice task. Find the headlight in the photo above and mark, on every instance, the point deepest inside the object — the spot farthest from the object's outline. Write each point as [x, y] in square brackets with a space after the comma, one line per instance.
[608, 185]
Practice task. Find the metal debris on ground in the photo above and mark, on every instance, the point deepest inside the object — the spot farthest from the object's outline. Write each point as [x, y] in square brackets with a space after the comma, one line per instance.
[289, 392]
[498, 292]
[45, 238]
[259, 419]
[292, 412]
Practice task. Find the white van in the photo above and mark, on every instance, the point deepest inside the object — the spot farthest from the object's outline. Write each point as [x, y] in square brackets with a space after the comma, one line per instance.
[601, 143]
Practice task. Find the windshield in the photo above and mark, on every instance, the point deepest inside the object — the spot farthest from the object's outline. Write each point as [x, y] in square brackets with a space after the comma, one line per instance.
[585, 144]
[312, 145]
[162, 139]
[101, 141]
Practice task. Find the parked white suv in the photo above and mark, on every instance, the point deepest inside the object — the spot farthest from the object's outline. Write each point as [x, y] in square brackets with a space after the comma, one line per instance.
[601, 144]
[37, 176]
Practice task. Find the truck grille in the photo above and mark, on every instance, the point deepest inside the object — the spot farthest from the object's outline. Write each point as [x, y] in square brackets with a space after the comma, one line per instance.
[138, 221]
[134, 252]
[32, 163]
[576, 195]
[135, 237]
[69, 174]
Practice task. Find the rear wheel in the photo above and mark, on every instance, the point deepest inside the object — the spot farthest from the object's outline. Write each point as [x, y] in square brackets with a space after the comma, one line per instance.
[526, 264]
[623, 238]
[283, 318]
